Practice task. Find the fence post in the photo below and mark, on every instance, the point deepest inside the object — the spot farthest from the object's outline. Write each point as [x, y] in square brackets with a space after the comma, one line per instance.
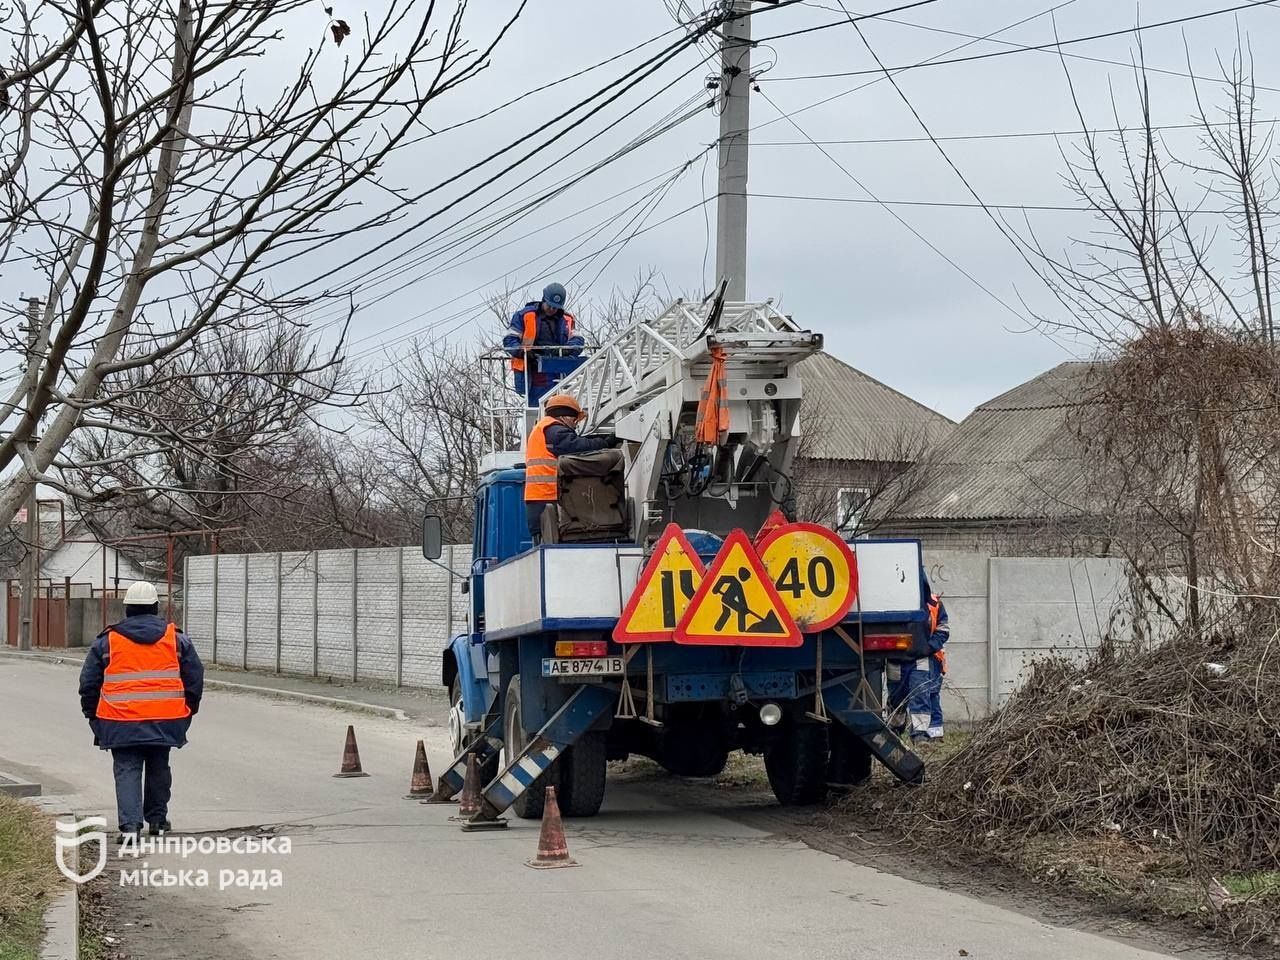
[278, 558]
[186, 590]
[217, 561]
[355, 614]
[993, 636]
[399, 616]
[244, 632]
[448, 596]
[315, 613]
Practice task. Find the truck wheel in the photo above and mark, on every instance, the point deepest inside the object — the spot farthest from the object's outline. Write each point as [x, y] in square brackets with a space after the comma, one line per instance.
[685, 754]
[582, 775]
[850, 758]
[797, 763]
[459, 740]
[528, 806]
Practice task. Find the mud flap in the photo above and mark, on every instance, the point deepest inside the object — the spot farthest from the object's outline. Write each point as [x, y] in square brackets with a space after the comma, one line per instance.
[578, 715]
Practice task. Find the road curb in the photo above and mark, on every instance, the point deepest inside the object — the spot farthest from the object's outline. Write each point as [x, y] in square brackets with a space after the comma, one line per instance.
[62, 927]
[339, 703]
[395, 713]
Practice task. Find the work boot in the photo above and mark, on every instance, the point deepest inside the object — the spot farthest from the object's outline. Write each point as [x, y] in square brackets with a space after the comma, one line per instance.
[161, 828]
[128, 832]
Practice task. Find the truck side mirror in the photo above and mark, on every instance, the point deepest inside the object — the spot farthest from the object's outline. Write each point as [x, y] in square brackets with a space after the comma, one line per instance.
[432, 537]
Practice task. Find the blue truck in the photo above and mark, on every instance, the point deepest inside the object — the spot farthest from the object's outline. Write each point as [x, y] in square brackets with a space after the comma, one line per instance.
[542, 693]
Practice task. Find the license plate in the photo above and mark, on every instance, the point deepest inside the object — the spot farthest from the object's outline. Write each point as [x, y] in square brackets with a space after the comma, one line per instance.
[581, 666]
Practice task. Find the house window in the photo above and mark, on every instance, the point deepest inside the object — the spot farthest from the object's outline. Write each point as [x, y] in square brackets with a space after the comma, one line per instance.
[851, 502]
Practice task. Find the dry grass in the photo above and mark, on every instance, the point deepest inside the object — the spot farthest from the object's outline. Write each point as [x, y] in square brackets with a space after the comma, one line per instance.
[28, 877]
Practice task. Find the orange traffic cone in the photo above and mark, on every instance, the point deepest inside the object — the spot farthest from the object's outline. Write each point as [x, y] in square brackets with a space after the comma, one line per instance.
[553, 850]
[350, 757]
[420, 784]
[469, 800]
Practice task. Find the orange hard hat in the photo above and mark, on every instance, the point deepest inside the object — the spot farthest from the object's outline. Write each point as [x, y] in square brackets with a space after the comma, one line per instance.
[562, 401]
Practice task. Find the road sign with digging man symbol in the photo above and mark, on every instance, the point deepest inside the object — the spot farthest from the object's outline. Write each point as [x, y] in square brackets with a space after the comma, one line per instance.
[737, 605]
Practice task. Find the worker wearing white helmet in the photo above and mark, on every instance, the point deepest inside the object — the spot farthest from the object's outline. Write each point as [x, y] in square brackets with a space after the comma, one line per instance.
[139, 688]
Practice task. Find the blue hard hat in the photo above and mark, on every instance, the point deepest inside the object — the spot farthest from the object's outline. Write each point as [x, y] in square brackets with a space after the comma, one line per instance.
[553, 294]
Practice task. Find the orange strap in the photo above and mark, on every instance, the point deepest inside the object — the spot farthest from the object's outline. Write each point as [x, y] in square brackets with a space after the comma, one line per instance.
[713, 409]
[942, 659]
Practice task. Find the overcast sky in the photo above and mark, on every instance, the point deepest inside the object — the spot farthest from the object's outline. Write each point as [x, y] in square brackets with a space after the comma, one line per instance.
[886, 302]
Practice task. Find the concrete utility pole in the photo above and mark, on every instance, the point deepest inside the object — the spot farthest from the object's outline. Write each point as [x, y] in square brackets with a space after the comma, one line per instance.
[735, 116]
[26, 599]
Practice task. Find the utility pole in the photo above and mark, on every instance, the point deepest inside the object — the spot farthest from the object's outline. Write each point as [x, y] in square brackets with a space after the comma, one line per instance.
[735, 119]
[26, 599]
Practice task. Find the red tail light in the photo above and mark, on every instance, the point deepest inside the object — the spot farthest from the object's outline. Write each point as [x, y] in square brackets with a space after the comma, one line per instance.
[593, 648]
[881, 642]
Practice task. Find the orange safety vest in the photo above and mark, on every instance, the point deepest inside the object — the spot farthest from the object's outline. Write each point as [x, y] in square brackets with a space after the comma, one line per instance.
[934, 605]
[530, 334]
[142, 681]
[540, 466]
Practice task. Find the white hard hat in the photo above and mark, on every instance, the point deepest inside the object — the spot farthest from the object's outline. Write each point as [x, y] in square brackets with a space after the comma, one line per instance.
[141, 594]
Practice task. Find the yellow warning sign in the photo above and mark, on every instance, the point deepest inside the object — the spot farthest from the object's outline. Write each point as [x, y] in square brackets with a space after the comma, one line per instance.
[814, 572]
[737, 604]
[666, 585]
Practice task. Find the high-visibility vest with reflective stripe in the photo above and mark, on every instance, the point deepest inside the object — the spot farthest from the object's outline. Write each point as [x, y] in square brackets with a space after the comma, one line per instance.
[540, 466]
[530, 334]
[935, 612]
[142, 680]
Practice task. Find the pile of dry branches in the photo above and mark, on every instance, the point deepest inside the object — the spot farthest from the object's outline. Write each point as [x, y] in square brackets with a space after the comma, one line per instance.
[1157, 766]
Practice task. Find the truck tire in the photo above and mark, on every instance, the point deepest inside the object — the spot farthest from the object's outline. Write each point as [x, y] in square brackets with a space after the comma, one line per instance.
[459, 739]
[528, 806]
[851, 758]
[796, 763]
[582, 776]
[685, 754]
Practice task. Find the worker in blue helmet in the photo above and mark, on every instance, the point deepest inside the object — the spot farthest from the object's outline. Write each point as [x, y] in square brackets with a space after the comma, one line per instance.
[539, 332]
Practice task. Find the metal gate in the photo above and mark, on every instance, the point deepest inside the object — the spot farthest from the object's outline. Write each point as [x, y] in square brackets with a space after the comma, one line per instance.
[48, 615]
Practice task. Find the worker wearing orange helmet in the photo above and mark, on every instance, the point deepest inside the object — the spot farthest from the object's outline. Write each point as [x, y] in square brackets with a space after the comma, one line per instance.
[555, 435]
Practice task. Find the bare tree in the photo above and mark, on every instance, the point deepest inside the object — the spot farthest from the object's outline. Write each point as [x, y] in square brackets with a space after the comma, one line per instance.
[1178, 431]
[150, 179]
[205, 438]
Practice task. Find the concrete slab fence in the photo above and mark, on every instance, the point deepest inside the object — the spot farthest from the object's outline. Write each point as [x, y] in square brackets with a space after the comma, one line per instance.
[388, 614]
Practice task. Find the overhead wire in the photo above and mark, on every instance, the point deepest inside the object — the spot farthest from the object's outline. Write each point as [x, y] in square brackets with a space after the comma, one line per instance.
[1186, 75]
[1137, 28]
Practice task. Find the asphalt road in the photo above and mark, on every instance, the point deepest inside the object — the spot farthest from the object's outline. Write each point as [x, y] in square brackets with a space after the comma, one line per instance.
[374, 875]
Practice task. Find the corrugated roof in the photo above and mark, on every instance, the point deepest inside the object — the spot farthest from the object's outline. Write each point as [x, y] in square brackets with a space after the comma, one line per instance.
[851, 416]
[1015, 456]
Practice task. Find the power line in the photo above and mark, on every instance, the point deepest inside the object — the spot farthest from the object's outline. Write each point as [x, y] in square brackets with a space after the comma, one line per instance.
[1012, 135]
[894, 213]
[1009, 43]
[981, 205]
[879, 79]
[1137, 28]
[827, 26]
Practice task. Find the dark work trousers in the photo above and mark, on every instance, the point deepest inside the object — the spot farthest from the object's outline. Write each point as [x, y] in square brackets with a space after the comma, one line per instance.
[533, 510]
[143, 783]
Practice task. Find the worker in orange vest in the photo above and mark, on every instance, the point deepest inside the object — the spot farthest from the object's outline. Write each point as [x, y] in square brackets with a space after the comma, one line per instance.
[920, 682]
[555, 435]
[139, 688]
[540, 326]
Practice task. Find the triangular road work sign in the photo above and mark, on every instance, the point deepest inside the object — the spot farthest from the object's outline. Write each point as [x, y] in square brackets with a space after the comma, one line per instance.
[737, 604]
[666, 585]
[773, 522]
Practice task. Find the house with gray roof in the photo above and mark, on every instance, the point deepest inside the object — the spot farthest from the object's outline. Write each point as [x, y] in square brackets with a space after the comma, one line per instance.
[1010, 479]
[859, 435]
